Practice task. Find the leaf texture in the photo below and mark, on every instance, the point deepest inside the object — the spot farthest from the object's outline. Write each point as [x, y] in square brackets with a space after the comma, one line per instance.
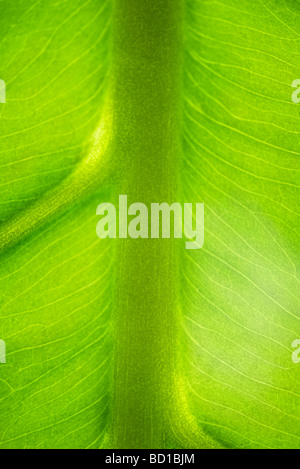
[231, 381]
[240, 294]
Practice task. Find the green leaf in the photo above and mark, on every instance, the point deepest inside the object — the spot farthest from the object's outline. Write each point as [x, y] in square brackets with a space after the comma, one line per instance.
[142, 343]
[55, 284]
[241, 152]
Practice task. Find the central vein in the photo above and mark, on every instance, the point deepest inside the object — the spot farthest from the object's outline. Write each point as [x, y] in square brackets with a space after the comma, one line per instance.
[147, 80]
